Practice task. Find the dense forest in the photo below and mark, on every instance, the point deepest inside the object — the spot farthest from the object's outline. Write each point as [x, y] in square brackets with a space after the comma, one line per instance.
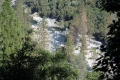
[22, 58]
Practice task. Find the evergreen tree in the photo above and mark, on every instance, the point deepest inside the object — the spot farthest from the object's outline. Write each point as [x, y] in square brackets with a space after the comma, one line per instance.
[55, 67]
[21, 14]
[92, 75]
[42, 32]
[11, 31]
[69, 48]
[13, 45]
[80, 64]
[1, 5]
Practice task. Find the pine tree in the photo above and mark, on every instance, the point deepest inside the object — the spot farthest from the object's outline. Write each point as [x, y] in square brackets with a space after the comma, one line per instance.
[42, 35]
[1, 5]
[20, 13]
[12, 35]
[11, 31]
[69, 48]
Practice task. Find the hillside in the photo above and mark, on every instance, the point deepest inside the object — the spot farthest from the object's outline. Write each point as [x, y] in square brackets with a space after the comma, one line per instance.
[75, 27]
[84, 21]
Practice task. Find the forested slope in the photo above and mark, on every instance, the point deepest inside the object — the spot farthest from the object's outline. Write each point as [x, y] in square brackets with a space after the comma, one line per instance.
[67, 11]
[80, 17]
[20, 58]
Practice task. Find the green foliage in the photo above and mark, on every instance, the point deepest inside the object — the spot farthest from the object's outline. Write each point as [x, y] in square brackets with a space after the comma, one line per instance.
[1, 1]
[20, 64]
[69, 48]
[11, 31]
[80, 64]
[65, 11]
[92, 75]
[21, 14]
[97, 22]
[84, 45]
[42, 40]
[77, 61]
[59, 9]
[109, 61]
[24, 61]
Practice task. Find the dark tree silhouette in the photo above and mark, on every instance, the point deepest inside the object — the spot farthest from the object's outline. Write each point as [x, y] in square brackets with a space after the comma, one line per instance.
[110, 5]
[109, 63]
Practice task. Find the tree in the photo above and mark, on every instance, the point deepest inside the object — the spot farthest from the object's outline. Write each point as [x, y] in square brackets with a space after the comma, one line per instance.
[21, 13]
[69, 48]
[92, 75]
[13, 45]
[109, 62]
[55, 67]
[11, 31]
[42, 32]
[1, 5]
[80, 64]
